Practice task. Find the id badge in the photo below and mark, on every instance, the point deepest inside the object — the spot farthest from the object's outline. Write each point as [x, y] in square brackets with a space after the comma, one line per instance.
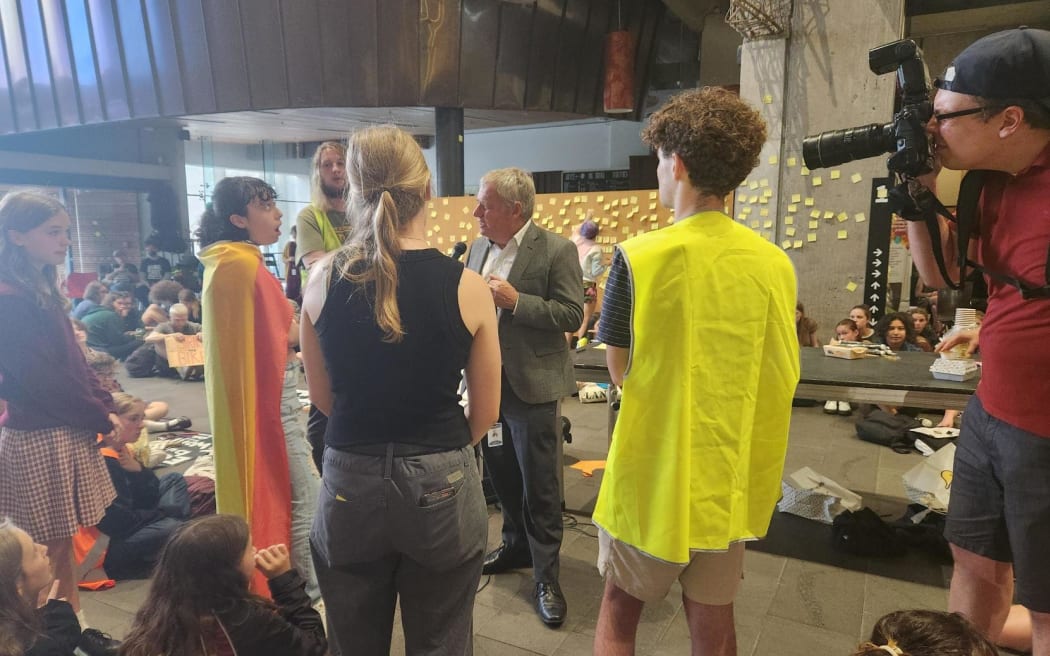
[495, 435]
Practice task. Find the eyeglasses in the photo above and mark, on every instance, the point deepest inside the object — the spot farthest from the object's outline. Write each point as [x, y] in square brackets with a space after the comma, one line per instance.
[964, 112]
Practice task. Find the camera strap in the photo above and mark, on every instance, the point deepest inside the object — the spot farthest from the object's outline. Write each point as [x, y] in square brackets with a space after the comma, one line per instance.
[966, 223]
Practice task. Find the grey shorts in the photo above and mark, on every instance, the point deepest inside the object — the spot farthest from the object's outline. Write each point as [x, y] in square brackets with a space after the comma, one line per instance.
[1000, 500]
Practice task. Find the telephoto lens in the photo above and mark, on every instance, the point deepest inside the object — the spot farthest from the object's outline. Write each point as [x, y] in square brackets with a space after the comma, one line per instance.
[836, 147]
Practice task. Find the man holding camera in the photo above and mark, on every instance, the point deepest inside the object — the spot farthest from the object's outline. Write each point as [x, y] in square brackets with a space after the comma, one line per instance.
[992, 112]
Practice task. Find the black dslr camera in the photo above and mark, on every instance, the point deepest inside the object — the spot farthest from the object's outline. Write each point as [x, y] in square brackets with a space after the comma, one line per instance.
[904, 136]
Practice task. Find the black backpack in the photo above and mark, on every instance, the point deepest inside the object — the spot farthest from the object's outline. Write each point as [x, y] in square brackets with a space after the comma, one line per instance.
[888, 430]
[863, 533]
[142, 362]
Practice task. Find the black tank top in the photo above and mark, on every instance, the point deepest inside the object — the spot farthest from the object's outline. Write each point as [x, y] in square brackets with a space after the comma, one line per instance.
[406, 392]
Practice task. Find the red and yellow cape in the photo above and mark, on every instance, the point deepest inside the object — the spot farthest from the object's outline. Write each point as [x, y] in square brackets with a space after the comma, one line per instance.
[245, 325]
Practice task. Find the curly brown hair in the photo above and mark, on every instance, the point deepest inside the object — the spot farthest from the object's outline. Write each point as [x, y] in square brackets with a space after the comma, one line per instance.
[717, 135]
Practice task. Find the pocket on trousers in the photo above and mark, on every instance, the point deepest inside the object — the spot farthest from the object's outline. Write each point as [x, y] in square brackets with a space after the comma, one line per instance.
[447, 518]
[347, 527]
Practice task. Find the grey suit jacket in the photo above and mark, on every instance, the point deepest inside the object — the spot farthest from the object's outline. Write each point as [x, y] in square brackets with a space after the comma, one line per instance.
[546, 273]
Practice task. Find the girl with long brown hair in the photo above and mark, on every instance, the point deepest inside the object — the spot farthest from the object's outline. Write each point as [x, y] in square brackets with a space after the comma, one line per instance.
[52, 477]
[199, 603]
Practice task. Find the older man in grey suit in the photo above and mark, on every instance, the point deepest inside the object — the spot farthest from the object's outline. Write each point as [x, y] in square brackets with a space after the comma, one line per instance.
[537, 287]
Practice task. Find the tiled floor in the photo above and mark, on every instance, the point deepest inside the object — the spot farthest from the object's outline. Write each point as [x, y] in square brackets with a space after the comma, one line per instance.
[799, 596]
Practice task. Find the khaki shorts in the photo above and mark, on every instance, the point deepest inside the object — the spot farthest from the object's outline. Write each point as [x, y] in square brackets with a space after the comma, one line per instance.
[710, 577]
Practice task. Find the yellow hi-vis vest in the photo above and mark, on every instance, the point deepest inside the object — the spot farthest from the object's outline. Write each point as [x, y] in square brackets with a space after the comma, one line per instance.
[328, 234]
[698, 450]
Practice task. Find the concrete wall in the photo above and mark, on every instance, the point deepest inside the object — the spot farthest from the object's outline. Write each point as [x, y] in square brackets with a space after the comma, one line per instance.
[572, 147]
[819, 80]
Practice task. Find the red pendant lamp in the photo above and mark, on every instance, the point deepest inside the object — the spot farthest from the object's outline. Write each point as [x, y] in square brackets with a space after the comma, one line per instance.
[619, 72]
[618, 93]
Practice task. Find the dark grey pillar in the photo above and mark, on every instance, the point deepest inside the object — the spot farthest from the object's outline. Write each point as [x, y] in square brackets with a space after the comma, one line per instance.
[448, 123]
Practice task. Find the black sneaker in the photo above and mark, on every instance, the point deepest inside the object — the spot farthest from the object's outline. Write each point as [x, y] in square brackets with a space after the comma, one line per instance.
[95, 643]
[179, 423]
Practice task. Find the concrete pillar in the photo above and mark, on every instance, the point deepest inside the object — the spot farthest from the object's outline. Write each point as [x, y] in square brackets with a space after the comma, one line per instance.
[815, 80]
[448, 123]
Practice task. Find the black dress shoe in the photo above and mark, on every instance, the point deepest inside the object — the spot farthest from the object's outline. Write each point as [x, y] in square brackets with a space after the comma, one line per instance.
[501, 560]
[96, 643]
[550, 604]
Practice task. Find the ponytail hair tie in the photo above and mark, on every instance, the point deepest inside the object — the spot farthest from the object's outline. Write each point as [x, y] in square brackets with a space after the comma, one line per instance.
[891, 648]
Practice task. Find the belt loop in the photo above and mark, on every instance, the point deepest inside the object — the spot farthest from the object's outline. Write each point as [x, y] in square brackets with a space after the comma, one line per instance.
[389, 461]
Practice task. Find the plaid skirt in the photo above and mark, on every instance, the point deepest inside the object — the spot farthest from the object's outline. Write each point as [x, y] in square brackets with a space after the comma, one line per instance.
[52, 480]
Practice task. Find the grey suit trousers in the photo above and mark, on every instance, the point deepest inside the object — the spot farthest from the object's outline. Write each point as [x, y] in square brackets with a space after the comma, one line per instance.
[524, 473]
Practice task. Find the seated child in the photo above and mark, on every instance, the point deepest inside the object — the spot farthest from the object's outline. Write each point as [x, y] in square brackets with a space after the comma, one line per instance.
[200, 598]
[147, 509]
[104, 366]
[29, 624]
[845, 331]
[925, 633]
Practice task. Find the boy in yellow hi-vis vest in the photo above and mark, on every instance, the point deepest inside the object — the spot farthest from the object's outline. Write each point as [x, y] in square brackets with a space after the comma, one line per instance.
[699, 320]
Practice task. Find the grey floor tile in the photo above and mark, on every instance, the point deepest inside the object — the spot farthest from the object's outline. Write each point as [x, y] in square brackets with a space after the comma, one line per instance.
[489, 647]
[820, 596]
[783, 637]
[576, 644]
[883, 595]
[523, 630]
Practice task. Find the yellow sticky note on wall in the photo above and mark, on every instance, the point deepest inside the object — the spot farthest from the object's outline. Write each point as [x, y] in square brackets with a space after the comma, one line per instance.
[772, 159]
[790, 232]
[804, 171]
[791, 161]
[796, 198]
[828, 214]
[767, 224]
[815, 214]
[786, 244]
[792, 207]
[835, 174]
[797, 243]
[855, 178]
[789, 220]
[842, 234]
[841, 216]
[809, 202]
[811, 237]
[764, 211]
[817, 181]
[859, 217]
[813, 225]
[851, 286]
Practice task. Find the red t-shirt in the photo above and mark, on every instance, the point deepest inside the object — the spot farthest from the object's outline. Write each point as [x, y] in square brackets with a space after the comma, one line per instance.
[1015, 335]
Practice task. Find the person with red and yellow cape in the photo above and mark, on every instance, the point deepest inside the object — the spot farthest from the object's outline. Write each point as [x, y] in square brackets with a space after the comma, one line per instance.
[248, 331]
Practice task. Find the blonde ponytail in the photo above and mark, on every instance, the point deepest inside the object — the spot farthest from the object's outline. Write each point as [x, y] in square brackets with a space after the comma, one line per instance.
[388, 182]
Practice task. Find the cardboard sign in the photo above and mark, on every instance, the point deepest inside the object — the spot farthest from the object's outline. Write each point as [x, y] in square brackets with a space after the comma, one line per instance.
[187, 353]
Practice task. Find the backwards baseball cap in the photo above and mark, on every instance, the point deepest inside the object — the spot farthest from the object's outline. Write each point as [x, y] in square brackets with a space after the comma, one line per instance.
[1009, 64]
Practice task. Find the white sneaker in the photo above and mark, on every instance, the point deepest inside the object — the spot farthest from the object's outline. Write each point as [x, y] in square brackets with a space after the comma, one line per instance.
[844, 408]
[831, 407]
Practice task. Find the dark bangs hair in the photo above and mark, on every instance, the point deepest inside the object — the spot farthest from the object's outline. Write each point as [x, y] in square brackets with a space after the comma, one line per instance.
[231, 196]
[198, 574]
